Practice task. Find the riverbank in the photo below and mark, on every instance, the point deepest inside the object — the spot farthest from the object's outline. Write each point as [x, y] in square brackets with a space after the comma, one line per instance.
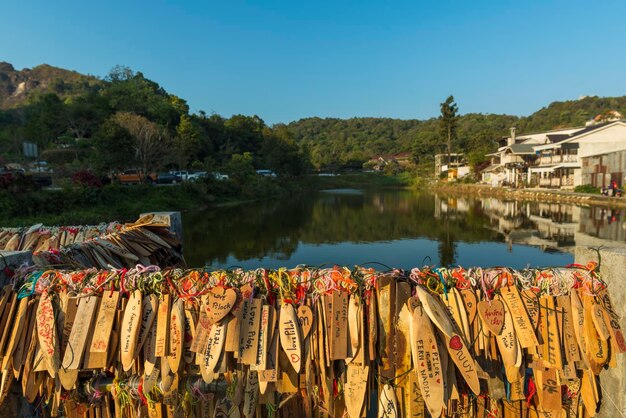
[537, 195]
[91, 205]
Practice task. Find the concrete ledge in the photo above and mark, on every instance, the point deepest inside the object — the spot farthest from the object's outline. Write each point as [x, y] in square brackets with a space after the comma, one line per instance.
[613, 271]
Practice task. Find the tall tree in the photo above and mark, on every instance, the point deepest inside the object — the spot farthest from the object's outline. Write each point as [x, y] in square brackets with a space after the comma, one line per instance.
[447, 123]
[152, 142]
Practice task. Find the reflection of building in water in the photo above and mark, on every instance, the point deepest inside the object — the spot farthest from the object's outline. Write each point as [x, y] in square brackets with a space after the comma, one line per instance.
[451, 206]
[550, 226]
[546, 225]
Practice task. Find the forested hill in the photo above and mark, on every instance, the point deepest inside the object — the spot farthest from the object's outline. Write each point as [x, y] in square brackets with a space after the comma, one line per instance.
[345, 141]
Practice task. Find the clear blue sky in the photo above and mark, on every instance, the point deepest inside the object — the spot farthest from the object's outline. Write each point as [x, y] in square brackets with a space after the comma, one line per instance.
[284, 60]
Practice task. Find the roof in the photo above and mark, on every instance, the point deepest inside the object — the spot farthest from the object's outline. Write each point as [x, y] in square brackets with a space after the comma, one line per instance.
[521, 149]
[554, 138]
[575, 135]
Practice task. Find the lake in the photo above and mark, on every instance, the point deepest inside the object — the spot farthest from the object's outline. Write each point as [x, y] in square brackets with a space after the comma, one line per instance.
[396, 228]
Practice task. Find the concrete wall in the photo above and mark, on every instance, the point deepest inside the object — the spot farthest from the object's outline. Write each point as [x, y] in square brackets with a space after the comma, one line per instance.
[612, 269]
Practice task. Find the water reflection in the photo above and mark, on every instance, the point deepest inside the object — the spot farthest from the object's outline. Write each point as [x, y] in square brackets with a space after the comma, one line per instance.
[397, 228]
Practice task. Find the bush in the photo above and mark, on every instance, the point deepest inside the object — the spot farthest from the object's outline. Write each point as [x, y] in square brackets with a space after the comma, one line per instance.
[587, 188]
[86, 178]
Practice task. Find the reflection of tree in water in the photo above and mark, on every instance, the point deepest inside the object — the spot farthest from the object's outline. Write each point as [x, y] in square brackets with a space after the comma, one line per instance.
[275, 229]
[446, 247]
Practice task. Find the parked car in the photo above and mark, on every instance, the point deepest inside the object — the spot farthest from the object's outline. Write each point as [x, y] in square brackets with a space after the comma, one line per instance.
[168, 178]
[184, 175]
[266, 173]
[135, 176]
[197, 175]
[220, 176]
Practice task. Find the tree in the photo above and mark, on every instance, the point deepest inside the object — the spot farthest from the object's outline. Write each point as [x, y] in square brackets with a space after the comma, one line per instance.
[151, 141]
[114, 147]
[448, 123]
[187, 141]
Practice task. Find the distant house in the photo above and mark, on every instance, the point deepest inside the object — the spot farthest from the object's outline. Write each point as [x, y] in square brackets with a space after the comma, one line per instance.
[515, 155]
[379, 162]
[457, 165]
[594, 155]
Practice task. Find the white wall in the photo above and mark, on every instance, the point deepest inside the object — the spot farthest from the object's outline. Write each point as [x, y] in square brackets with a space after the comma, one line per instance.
[603, 141]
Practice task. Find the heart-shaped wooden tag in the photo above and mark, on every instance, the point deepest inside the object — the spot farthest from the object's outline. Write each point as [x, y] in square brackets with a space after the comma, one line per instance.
[305, 317]
[219, 302]
[492, 315]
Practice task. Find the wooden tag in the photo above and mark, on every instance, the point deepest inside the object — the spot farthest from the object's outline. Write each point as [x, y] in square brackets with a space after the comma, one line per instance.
[220, 301]
[466, 365]
[163, 318]
[47, 335]
[386, 328]
[531, 303]
[597, 315]
[612, 318]
[388, 403]
[436, 312]
[572, 353]
[456, 308]
[264, 338]
[305, 318]
[339, 343]
[523, 326]
[508, 346]
[357, 378]
[249, 334]
[251, 394]
[214, 346]
[290, 338]
[492, 315]
[130, 330]
[578, 321]
[552, 341]
[427, 361]
[471, 303]
[149, 309]
[177, 329]
[16, 332]
[551, 390]
[104, 322]
[80, 331]
[149, 350]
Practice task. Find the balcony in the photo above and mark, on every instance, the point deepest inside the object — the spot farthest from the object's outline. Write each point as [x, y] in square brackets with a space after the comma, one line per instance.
[556, 159]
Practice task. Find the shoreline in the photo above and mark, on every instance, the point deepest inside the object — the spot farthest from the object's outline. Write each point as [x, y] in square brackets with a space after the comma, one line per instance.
[538, 195]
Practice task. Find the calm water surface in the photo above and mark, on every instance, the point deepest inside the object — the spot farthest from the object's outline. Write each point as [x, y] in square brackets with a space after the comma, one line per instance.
[397, 228]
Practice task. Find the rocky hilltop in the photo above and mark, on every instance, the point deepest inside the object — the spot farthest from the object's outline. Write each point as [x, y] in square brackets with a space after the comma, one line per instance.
[18, 86]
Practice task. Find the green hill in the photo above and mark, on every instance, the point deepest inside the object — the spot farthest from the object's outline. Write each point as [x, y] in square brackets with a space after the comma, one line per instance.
[345, 141]
[18, 87]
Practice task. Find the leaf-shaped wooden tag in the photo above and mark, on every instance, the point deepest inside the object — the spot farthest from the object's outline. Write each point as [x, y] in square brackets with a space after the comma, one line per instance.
[598, 320]
[149, 350]
[47, 334]
[508, 346]
[354, 325]
[427, 361]
[305, 318]
[466, 365]
[492, 315]
[357, 378]
[130, 329]
[435, 311]
[290, 338]
[220, 301]
[177, 330]
[214, 346]
[388, 403]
